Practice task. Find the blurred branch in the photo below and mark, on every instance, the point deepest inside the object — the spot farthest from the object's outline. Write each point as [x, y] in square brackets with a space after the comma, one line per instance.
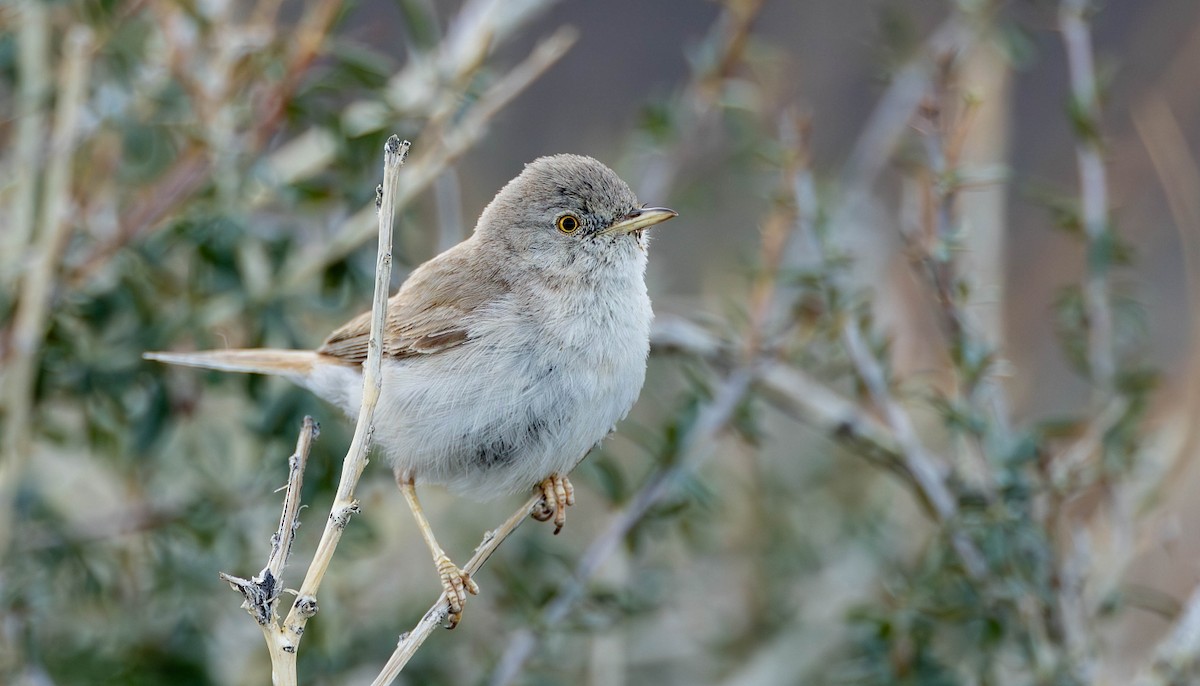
[306, 42]
[918, 461]
[448, 146]
[410, 641]
[894, 111]
[813, 402]
[33, 87]
[154, 204]
[944, 131]
[37, 284]
[726, 42]
[478, 29]
[1179, 175]
[1077, 39]
[1177, 658]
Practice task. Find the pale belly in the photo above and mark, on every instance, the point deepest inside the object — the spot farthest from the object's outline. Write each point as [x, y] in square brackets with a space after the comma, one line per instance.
[500, 414]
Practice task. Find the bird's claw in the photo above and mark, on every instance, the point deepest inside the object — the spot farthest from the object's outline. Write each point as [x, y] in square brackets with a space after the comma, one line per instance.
[457, 583]
[557, 495]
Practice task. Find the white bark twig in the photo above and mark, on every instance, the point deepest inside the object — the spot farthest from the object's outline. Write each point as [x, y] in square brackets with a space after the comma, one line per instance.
[283, 639]
[262, 591]
[345, 505]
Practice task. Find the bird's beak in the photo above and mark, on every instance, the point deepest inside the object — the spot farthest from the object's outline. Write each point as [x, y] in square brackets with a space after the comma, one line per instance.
[642, 218]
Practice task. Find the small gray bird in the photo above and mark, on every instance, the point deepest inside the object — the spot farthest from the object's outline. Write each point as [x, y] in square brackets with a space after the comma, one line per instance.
[507, 357]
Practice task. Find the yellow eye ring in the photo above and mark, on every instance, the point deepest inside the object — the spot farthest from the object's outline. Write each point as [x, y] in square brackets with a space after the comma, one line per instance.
[568, 223]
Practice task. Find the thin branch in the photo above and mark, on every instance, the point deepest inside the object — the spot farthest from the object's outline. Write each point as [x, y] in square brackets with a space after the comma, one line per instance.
[726, 42]
[1093, 183]
[345, 505]
[262, 591]
[410, 641]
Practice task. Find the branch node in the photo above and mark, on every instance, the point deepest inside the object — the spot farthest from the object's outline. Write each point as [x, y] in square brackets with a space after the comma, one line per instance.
[306, 607]
[341, 516]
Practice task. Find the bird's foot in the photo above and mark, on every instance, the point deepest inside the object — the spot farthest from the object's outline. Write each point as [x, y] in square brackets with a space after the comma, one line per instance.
[557, 495]
[457, 584]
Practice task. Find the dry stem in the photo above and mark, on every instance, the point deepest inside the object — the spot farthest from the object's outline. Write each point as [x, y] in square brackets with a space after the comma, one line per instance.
[261, 592]
[344, 504]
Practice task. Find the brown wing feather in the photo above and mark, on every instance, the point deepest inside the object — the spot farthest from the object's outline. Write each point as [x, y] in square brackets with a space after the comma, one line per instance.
[432, 311]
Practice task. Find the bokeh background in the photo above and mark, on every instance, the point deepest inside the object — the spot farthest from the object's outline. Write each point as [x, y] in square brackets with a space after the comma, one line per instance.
[201, 174]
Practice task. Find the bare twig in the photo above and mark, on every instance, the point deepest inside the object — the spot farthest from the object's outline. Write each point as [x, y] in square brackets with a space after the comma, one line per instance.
[1093, 184]
[345, 505]
[262, 591]
[410, 641]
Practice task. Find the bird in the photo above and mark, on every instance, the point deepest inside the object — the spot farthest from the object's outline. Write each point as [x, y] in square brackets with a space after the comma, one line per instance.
[507, 357]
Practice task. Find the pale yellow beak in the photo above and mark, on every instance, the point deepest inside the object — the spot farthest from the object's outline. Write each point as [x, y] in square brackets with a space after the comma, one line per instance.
[639, 219]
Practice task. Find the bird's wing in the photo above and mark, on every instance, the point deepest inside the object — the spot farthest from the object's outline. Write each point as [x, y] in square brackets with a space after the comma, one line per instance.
[432, 311]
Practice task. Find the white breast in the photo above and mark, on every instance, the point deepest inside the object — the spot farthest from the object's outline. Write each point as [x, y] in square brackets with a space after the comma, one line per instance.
[544, 377]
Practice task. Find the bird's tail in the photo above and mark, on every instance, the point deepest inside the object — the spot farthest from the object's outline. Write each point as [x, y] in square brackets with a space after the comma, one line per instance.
[294, 364]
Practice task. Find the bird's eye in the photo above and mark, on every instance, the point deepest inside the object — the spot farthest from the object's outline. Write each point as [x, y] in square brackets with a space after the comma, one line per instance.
[568, 223]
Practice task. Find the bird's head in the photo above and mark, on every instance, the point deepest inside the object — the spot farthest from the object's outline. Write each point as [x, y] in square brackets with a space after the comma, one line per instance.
[565, 208]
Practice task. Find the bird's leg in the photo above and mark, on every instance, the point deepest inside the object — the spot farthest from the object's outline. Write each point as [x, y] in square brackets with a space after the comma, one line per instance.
[557, 495]
[455, 581]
